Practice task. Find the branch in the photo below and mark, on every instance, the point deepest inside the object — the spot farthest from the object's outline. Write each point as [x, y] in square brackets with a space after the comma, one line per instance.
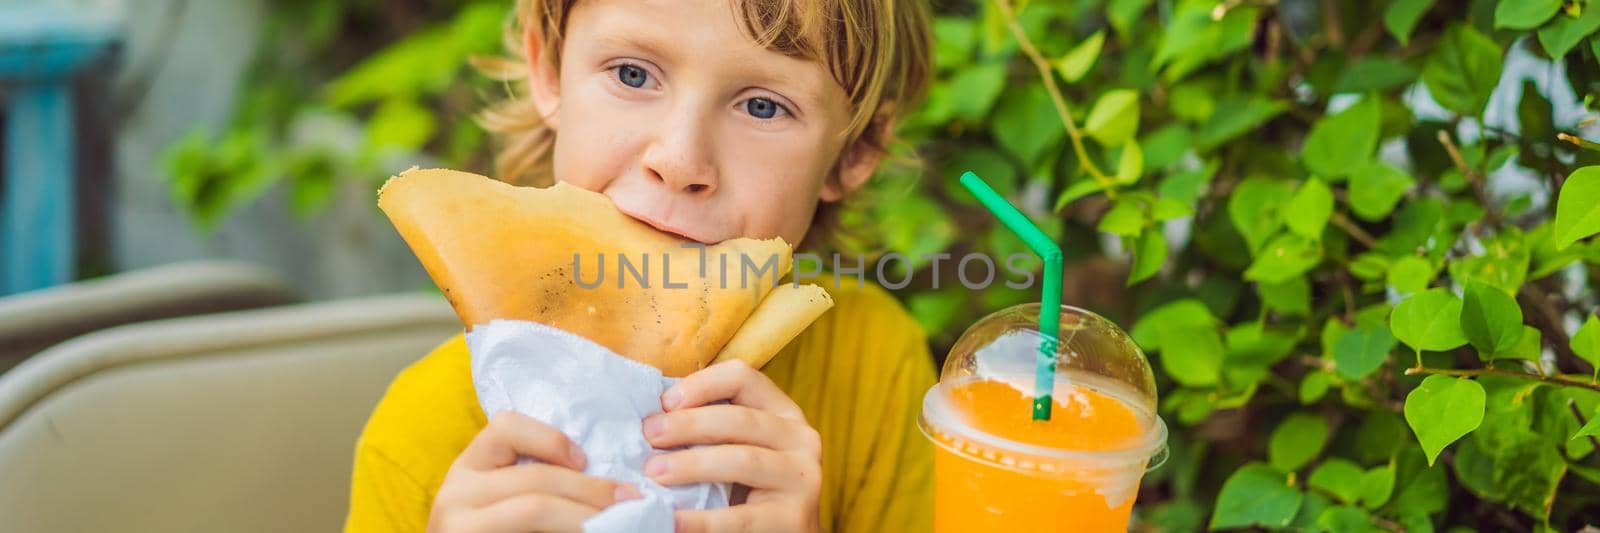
[1360, 235]
[1554, 380]
[1579, 141]
[1548, 316]
[1043, 66]
[1472, 176]
[1331, 23]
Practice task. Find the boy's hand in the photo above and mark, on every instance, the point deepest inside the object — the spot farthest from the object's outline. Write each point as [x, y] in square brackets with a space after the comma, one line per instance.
[486, 490]
[760, 441]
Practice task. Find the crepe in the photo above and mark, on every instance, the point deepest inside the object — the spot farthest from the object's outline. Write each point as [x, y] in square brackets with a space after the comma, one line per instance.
[556, 256]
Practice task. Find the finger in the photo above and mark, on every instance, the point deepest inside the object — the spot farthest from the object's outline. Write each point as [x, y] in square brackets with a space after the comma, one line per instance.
[510, 435]
[757, 467]
[531, 512]
[735, 381]
[728, 424]
[517, 480]
[744, 518]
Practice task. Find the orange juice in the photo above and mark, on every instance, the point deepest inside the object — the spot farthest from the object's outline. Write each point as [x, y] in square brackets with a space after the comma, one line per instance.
[997, 469]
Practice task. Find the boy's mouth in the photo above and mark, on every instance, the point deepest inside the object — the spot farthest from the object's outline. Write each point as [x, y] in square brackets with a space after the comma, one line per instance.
[666, 228]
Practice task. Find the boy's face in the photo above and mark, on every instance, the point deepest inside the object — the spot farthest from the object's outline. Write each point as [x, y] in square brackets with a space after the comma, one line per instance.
[669, 108]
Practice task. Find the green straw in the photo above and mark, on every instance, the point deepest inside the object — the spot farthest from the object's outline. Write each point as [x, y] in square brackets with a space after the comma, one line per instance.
[1044, 377]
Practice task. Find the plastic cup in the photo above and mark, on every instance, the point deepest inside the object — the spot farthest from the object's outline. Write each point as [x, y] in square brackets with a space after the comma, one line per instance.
[997, 469]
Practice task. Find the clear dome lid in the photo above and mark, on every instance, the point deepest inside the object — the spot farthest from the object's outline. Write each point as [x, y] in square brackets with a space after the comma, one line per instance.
[1104, 395]
[1003, 347]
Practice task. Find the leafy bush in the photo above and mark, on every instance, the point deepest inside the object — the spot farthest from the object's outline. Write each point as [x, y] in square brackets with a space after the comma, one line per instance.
[1367, 221]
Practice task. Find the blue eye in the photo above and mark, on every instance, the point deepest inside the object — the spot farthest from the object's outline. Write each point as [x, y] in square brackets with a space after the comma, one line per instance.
[761, 108]
[632, 76]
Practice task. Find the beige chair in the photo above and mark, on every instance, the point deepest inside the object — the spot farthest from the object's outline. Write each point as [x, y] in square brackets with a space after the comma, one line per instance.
[241, 421]
[33, 321]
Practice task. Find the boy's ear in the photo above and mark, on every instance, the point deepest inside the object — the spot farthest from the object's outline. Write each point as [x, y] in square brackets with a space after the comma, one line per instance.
[544, 81]
[859, 160]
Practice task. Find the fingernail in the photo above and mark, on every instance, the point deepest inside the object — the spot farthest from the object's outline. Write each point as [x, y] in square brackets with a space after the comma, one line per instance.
[672, 398]
[655, 466]
[578, 459]
[626, 492]
[653, 426]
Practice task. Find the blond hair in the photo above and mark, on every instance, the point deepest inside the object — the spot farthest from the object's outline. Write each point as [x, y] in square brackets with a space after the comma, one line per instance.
[877, 50]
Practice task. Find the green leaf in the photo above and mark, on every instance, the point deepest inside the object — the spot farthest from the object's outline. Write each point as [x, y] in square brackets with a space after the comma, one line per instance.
[1185, 313]
[1256, 209]
[1285, 257]
[1422, 490]
[1125, 219]
[1578, 206]
[1516, 466]
[1346, 519]
[1586, 342]
[1167, 209]
[1379, 435]
[1534, 113]
[1591, 429]
[1026, 124]
[1443, 409]
[936, 310]
[1166, 146]
[1430, 320]
[1401, 17]
[1338, 477]
[1490, 318]
[1376, 486]
[1256, 494]
[1291, 297]
[1409, 275]
[953, 38]
[1234, 117]
[1077, 61]
[1296, 441]
[1114, 117]
[1253, 349]
[1123, 13]
[978, 88]
[1314, 387]
[1342, 143]
[1373, 73]
[1083, 187]
[1309, 209]
[1413, 226]
[1195, 361]
[1527, 348]
[1463, 70]
[400, 123]
[1130, 165]
[1376, 188]
[1151, 253]
[1560, 35]
[1524, 14]
[1360, 351]
[1370, 266]
[1503, 264]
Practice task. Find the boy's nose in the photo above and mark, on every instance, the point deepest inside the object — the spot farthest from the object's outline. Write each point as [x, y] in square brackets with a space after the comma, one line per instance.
[680, 156]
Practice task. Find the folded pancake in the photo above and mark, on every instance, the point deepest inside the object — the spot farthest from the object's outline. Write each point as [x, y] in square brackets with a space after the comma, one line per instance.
[566, 257]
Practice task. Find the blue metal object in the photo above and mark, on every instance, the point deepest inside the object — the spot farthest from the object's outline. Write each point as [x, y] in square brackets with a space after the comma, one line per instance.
[43, 47]
[36, 221]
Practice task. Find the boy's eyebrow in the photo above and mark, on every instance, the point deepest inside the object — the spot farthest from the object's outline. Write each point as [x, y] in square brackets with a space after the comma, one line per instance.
[635, 40]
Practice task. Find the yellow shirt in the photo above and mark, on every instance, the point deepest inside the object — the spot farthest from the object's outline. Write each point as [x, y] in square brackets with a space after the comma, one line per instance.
[858, 373]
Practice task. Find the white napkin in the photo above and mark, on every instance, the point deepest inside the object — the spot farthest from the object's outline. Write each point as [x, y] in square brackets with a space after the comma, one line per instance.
[596, 397]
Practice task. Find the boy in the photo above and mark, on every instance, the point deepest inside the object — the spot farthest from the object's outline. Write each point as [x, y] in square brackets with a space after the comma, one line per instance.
[710, 119]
